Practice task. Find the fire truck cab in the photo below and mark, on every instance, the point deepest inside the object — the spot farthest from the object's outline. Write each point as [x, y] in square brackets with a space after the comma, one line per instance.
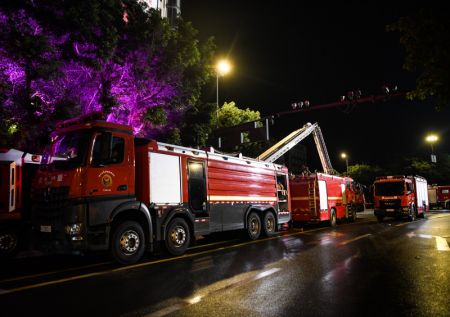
[398, 196]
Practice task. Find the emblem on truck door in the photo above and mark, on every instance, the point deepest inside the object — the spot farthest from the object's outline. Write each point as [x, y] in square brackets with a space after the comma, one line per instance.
[106, 180]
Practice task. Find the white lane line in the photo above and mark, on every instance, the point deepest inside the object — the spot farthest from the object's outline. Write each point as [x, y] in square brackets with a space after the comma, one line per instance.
[355, 239]
[199, 296]
[441, 244]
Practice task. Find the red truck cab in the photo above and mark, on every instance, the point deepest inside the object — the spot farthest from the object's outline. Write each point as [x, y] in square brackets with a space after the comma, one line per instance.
[398, 196]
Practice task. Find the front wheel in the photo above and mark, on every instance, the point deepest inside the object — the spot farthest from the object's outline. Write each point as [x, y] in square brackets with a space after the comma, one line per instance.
[253, 226]
[128, 242]
[9, 242]
[269, 224]
[178, 237]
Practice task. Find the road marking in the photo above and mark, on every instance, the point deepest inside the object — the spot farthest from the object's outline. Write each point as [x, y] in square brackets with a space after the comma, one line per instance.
[232, 283]
[19, 278]
[211, 244]
[355, 239]
[441, 244]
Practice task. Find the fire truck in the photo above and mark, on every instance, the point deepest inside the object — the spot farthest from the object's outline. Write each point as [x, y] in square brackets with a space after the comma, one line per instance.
[439, 196]
[317, 197]
[105, 189]
[16, 171]
[399, 196]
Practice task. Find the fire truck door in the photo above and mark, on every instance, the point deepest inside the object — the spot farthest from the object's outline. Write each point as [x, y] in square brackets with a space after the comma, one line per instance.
[197, 186]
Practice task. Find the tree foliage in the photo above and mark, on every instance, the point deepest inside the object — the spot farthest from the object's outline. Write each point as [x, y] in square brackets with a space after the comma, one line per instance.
[230, 115]
[64, 58]
[426, 39]
[365, 174]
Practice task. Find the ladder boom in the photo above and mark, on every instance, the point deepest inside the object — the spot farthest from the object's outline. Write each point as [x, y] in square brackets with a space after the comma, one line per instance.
[287, 143]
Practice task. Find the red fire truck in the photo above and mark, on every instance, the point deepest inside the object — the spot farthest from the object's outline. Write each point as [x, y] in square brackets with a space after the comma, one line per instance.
[104, 189]
[320, 197]
[399, 196]
[439, 196]
[16, 171]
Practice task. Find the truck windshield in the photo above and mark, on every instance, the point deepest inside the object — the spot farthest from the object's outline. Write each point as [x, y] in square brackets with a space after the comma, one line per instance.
[69, 150]
[389, 188]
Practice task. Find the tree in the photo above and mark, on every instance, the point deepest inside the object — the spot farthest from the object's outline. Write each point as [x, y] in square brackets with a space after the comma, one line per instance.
[426, 38]
[118, 57]
[365, 174]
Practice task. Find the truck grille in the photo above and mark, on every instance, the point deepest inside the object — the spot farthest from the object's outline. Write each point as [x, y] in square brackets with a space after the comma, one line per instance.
[51, 198]
[390, 203]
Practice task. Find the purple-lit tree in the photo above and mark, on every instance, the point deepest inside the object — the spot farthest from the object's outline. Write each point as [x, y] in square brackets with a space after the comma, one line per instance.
[74, 57]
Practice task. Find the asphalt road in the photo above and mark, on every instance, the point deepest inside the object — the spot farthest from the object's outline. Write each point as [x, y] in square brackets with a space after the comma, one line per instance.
[365, 268]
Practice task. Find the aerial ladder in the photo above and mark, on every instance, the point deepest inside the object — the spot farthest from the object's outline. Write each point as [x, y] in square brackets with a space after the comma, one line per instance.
[287, 143]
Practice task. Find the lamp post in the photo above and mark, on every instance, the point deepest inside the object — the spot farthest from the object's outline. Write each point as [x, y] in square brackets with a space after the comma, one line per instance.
[432, 138]
[344, 156]
[223, 67]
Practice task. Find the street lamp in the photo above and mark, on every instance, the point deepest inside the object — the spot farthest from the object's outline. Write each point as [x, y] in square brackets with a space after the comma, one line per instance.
[344, 156]
[223, 67]
[432, 138]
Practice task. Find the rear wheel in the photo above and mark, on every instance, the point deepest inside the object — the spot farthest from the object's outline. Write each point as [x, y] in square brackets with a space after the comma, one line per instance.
[253, 226]
[412, 213]
[269, 224]
[353, 209]
[178, 236]
[380, 218]
[128, 242]
[333, 219]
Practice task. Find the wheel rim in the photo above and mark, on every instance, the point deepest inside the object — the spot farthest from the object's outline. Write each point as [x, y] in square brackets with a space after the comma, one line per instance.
[129, 242]
[270, 224]
[178, 236]
[8, 242]
[254, 226]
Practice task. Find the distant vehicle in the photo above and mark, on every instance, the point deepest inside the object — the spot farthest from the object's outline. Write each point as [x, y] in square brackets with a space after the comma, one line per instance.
[439, 196]
[399, 196]
[17, 169]
[318, 197]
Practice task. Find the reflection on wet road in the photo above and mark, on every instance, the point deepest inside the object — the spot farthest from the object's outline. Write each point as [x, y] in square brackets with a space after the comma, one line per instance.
[390, 268]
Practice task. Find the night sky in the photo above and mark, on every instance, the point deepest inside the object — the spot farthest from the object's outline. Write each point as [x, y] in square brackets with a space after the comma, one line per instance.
[285, 51]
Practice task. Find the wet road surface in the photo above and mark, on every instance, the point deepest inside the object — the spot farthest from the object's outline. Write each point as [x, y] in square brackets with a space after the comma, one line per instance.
[364, 268]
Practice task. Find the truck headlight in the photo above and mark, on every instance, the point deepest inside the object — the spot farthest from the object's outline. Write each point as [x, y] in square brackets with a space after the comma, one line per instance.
[74, 229]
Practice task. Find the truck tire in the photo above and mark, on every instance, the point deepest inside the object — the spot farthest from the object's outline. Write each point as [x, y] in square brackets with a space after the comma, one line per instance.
[178, 236]
[128, 242]
[333, 220]
[380, 218]
[412, 213]
[253, 226]
[353, 209]
[9, 241]
[269, 224]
